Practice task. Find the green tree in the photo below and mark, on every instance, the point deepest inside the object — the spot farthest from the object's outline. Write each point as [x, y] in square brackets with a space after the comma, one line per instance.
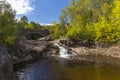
[56, 33]
[34, 25]
[96, 20]
[7, 24]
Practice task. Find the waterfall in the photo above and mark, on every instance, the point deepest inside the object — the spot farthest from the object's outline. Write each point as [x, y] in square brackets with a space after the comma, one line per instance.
[64, 52]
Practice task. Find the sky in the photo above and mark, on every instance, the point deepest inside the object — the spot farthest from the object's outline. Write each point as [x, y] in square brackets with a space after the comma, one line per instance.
[41, 11]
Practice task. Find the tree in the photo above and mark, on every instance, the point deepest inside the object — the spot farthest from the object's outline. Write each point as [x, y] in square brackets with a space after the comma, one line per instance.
[24, 19]
[56, 33]
[7, 24]
[35, 25]
[96, 20]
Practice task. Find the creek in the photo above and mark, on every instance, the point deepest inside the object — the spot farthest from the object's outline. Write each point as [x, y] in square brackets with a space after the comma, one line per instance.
[64, 67]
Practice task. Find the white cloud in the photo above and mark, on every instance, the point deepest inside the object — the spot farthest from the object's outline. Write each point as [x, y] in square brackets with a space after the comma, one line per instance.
[46, 24]
[21, 6]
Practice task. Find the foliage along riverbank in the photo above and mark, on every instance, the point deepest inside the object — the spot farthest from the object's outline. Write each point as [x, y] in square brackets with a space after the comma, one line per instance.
[11, 29]
[90, 20]
[86, 20]
[95, 23]
[92, 53]
[91, 23]
[83, 22]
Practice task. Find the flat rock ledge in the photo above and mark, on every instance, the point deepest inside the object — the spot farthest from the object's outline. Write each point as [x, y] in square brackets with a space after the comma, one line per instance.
[113, 51]
[109, 55]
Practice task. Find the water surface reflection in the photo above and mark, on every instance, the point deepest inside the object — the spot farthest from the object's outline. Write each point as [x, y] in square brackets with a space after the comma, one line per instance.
[61, 69]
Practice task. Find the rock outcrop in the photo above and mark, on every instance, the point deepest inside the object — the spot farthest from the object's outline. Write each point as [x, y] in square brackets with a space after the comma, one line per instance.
[113, 51]
[6, 69]
[31, 49]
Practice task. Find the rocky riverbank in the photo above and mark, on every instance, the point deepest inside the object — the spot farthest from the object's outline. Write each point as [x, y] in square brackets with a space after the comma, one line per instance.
[84, 49]
[113, 51]
[31, 49]
[109, 54]
[34, 49]
[23, 50]
[6, 68]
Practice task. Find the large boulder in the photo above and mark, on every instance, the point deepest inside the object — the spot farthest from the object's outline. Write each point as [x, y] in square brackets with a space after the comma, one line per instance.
[6, 69]
[29, 49]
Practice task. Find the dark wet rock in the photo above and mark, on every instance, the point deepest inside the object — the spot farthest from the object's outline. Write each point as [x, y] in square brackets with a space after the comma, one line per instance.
[80, 43]
[67, 42]
[26, 50]
[51, 50]
[6, 69]
[31, 49]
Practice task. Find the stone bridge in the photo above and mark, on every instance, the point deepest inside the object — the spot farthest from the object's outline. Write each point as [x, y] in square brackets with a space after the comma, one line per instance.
[43, 33]
[34, 34]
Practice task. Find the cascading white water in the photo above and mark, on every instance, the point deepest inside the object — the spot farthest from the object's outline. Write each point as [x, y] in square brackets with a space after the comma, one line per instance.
[64, 52]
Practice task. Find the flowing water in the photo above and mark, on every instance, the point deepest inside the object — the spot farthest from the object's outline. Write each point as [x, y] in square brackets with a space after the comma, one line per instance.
[64, 52]
[67, 69]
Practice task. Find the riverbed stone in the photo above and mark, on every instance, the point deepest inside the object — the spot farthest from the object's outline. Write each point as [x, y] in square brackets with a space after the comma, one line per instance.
[6, 69]
[31, 49]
